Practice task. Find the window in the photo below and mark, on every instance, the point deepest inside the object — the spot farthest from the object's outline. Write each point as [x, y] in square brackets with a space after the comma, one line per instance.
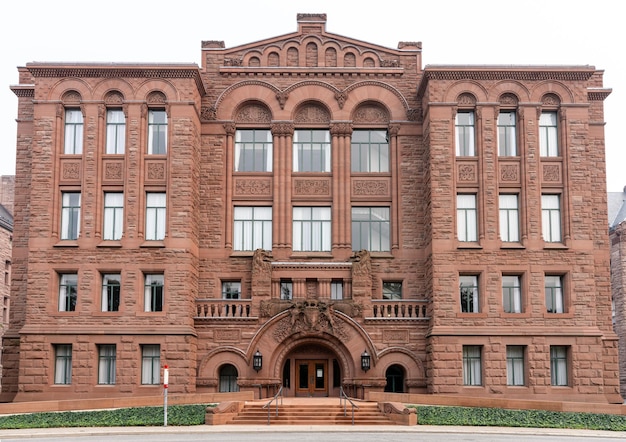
[155, 216]
[369, 151]
[286, 289]
[507, 139]
[467, 218]
[558, 365]
[468, 286]
[392, 290]
[472, 365]
[106, 364]
[253, 228]
[116, 131]
[231, 290]
[113, 216]
[253, 151]
[554, 294]
[153, 293]
[336, 290]
[509, 218]
[73, 132]
[63, 364]
[111, 289]
[311, 229]
[228, 378]
[311, 151]
[151, 364]
[515, 365]
[370, 229]
[68, 292]
[511, 294]
[551, 218]
[465, 134]
[157, 132]
[70, 215]
[548, 138]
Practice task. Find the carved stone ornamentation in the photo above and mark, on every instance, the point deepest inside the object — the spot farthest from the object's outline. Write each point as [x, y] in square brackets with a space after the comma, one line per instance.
[156, 98]
[230, 128]
[156, 171]
[113, 170]
[551, 173]
[254, 113]
[467, 173]
[227, 335]
[361, 263]
[208, 113]
[341, 129]
[311, 316]
[282, 129]
[261, 264]
[250, 187]
[395, 336]
[371, 113]
[466, 99]
[71, 97]
[71, 171]
[509, 173]
[370, 188]
[312, 113]
[233, 62]
[550, 100]
[282, 98]
[341, 98]
[394, 63]
[311, 187]
[113, 98]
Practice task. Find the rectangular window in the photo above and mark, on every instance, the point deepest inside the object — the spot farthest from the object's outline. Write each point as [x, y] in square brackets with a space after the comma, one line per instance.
[111, 290]
[70, 215]
[252, 228]
[113, 216]
[151, 364]
[392, 290]
[515, 365]
[311, 151]
[371, 229]
[73, 132]
[153, 293]
[157, 132]
[253, 150]
[336, 290]
[472, 365]
[369, 151]
[231, 290]
[551, 218]
[468, 288]
[467, 218]
[554, 294]
[548, 135]
[311, 229]
[558, 365]
[116, 132]
[465, 134]
[286, 289]
[155, 216]
[63, 364]
[511, 294]
[68, 292]
[106, 364]
[509, 218]
[507, 138]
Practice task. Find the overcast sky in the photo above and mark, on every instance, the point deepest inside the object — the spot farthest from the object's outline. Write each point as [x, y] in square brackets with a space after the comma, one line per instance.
[531, 32]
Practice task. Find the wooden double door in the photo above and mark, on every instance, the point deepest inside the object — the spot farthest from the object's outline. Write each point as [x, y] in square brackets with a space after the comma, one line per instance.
[311, 377]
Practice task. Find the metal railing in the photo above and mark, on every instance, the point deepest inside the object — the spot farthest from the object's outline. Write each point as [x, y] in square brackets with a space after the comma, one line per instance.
[275, 398]
[343, 400]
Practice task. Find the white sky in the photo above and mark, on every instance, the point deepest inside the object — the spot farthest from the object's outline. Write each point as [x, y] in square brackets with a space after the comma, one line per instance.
[532, 32]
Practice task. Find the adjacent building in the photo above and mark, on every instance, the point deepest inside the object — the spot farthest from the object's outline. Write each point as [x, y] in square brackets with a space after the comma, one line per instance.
[6, 241]
[314, 212]
[617, 228]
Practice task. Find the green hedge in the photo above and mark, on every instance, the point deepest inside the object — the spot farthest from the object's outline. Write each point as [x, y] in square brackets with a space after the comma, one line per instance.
[440, 415]
[123, 417]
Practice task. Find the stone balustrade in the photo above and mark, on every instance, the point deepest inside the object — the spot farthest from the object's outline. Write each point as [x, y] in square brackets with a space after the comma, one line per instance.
[398, 309]
[224, 308]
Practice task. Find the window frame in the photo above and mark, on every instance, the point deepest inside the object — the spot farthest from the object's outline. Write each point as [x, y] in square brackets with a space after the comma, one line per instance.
[258, 228]
[513, 293]
[465, 134]
[253, 148]
[559, 365]
[68, 292]
[70, 215]
[392, 290]
[376, 230]
[549, 136]
[507, 217]
[73, 132]
[107, 364]
[312, 145]
[470, 304]
[472, 366]
[227, 289]
[62, 364]
[157, 132]
[286, 289]
[554, 294]
[516, 366]
[115, 143]
[156, 216]
[337, 290]
[465, 217]
[551, 218]
[113, 217]
[367, 155]
[150, 364]
[111, 292]
[312, 233]
[507, 134]
[154, 300]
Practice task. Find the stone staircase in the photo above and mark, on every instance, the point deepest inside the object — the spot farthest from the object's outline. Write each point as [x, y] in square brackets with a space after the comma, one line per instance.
[312, 413]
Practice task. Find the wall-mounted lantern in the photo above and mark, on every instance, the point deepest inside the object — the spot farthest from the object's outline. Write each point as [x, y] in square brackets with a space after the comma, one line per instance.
[257, 361]
[365, 361]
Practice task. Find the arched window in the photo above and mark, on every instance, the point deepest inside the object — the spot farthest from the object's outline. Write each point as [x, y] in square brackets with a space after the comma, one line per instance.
[228, 379]
[395, 379]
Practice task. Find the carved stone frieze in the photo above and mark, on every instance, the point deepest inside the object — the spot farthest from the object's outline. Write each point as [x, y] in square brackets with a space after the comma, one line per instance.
[113, 170]
[467, 173]
[312, 113]
[552, 173]
[70, 171]
[509, 173]
[282, 129]
[371, 113]
[253, 113]
[208, 113]
[227, 335]
[311, 316]
[253, 186]
[155, 171]
[394, 336]
[311, 186]
[370, 187]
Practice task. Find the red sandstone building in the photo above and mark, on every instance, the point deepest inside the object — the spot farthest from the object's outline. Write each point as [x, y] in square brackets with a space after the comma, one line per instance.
[311, 211]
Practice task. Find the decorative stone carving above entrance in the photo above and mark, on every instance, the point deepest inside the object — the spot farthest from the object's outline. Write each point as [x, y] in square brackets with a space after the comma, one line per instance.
[311, 316]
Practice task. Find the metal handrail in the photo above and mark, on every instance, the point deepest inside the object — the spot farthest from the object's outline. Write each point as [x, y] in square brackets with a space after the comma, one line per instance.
[275, 398]
[343, 398]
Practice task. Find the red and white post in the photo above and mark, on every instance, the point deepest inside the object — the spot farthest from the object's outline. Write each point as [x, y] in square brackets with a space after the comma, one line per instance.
[166, 379]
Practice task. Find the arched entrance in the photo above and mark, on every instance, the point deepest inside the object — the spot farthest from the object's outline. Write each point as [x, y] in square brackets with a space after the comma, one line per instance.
[395, 379]
[311, 370]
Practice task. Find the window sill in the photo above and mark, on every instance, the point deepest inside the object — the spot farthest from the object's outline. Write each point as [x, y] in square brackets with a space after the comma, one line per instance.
[555, 246]
[153, 244]
[521, 315]
[151, 314]
[243, 253]
[108, 314]
[312, 255]
[67, 243]
[468, 245]
[512, 245]
[110, 243]
[471, 315]
[566, 315]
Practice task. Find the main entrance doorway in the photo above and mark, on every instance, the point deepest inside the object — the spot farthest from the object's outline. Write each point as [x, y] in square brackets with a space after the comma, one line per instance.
[311, 377]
